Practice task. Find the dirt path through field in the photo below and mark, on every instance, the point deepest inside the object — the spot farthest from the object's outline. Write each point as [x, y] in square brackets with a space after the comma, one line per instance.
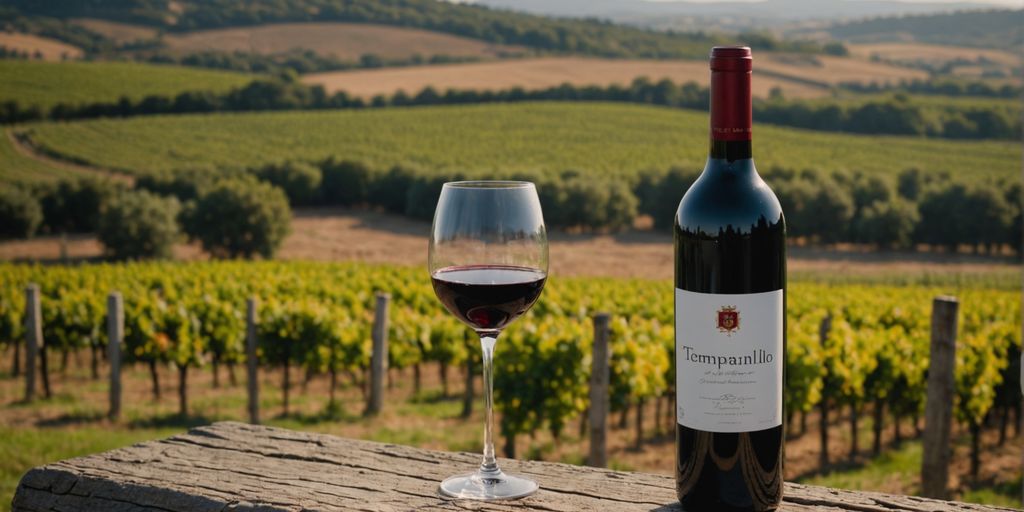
[26, 149]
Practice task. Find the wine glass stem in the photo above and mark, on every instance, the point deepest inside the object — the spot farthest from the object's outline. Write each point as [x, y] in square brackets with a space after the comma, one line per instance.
[487, 341]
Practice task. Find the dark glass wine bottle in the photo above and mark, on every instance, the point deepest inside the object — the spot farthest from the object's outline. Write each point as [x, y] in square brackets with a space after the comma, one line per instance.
[730, 276]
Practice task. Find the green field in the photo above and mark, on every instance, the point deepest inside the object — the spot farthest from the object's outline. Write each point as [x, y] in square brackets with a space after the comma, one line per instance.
[47, 83]
[612, 139]
[17, 167]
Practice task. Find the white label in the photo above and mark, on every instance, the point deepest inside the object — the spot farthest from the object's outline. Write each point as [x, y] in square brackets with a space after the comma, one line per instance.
[729, 361]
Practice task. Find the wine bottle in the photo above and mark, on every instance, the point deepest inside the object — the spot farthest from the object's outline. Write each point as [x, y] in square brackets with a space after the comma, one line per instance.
[730, 277]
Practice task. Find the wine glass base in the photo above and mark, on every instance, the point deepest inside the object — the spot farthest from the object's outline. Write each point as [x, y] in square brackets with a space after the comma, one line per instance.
[488, 486]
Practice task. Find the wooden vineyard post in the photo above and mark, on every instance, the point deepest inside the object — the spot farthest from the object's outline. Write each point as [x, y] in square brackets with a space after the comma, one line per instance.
[599, 377]
[938, 413]
[823, 331]
[115, 337]
[379, 360]
[33, 338]
[251, 363]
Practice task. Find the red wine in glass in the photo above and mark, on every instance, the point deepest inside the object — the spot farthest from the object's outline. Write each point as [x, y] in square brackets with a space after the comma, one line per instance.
[488, 261]
[488, 297]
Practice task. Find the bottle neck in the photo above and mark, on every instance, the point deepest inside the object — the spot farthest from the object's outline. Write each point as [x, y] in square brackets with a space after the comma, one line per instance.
[730, 114]
[730, 150]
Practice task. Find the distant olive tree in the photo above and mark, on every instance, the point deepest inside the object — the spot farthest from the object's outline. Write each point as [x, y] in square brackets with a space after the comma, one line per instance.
[345, 182]
[139, 225]
[944, 217]
[74, 205]
[20, 213]
[300, 181]
[240, 219]
[888, 224]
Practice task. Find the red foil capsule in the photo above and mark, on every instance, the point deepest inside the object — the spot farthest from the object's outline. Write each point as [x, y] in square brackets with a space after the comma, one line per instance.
[730, 93]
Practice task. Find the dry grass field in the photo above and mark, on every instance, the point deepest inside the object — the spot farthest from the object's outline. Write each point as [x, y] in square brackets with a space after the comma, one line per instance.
[538, 73]
[51, 49]
[833, 70]
[920, 52]
[346, 41]
[331, 234]
[119, 32]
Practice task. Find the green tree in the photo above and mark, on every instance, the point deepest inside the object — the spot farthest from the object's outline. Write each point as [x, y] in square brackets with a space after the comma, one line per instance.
[1016, 230]
[866, 191]
[836, 48]
[829, 212]
[139, 225]
[990, 217]
[658, 193]
[20, 213]
[944, 217]
[74, 205]
[794, 196]
[345, 182]
[240, 218]
[909, 184]
[186, 184]
[299, 180]
[889, 224]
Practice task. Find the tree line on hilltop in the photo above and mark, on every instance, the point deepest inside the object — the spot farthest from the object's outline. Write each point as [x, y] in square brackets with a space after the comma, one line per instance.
[986, 28]
[941, 87]
[580, 36]
[297, 61]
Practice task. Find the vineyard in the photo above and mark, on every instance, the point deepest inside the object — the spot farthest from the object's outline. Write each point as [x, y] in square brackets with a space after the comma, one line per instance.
[45, 84]
[607, 139]
[18, 167]
[317, 318]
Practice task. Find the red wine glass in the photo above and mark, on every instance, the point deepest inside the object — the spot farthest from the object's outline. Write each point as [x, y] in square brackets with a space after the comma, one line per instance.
[488, 262]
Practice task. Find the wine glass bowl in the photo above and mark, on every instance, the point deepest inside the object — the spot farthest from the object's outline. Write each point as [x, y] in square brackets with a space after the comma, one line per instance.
[488, 261]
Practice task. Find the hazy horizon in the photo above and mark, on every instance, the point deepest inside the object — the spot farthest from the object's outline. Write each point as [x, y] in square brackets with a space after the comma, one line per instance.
[1006, 3]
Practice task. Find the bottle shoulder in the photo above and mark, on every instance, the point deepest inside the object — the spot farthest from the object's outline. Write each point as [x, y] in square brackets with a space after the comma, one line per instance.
[729, 197]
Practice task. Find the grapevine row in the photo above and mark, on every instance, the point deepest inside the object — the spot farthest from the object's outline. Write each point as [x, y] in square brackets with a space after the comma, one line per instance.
[318, 317]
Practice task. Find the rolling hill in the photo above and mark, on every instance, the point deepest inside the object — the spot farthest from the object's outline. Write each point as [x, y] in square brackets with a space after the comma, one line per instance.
[346, 41]
[766, 10]
[45, 84]
[911, 53]
[580, 36]
[998, 28]
[798, 76]
[612, 139]
[533, 74]
[15, 166]
[47, 48]
[832, 70]
[120, 33]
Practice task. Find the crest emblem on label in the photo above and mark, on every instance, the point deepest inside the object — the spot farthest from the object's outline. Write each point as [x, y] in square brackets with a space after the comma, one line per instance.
[728, 320]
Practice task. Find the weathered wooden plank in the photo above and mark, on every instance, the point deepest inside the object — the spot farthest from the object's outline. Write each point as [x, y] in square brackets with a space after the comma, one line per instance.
[236, 466]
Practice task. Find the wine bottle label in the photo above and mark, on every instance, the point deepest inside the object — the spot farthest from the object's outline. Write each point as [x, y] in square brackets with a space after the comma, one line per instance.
[729, 361]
